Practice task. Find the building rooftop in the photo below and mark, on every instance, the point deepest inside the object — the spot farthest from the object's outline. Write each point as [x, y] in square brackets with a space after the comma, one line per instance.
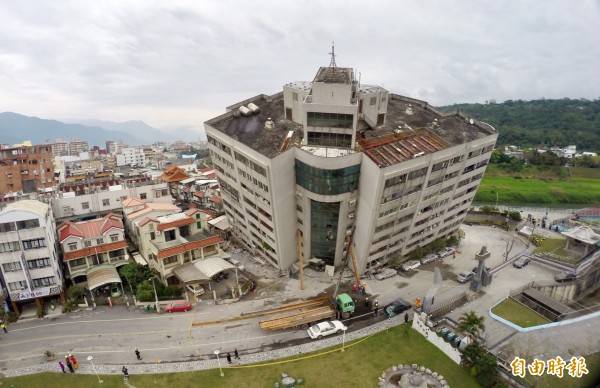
[334, 75]
[29, 205]
[413, 128]
[91, 228]
[251, 130]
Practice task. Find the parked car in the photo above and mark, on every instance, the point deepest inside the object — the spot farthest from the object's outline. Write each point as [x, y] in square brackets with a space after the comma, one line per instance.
[464, 277]
[196, 289]
[325, 328]
[450, 336]
[396, 307]
[178, 306]
[429, 258]
[411, 265]
[385, 273]
[456, 341]
[443, 332]
[521, 262]
[446, 252]
[565, 276]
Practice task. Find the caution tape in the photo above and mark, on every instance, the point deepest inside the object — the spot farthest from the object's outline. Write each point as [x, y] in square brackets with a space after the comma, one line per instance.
[304, 357]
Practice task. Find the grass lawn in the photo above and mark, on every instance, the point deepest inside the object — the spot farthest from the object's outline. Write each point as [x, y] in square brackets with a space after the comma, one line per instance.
[590, 380]
[358, 366]
[555, 248]
[519, 314]
[536, 186]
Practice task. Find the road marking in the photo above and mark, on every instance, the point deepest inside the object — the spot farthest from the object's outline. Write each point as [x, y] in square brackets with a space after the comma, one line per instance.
[87, 351]
[102, 320]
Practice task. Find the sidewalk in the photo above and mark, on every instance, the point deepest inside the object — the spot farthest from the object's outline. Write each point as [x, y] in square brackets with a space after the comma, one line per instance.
[187, 366]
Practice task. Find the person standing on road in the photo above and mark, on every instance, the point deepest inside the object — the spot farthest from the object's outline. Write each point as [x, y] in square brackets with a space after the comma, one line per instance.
[405, 317]
[228, 358]
[69, 365]
[236, 354]
[3, 325]
[125, 373]
[62, 366]
[137, 354]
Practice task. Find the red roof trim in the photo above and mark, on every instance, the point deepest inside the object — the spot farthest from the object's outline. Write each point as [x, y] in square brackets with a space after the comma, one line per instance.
[71, 255]
[212, 240]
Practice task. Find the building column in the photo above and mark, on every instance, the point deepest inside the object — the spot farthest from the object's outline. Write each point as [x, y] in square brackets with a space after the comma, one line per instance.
[202, 253]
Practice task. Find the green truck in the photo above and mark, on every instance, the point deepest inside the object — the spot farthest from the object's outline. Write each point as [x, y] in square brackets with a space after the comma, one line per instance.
[345, 305]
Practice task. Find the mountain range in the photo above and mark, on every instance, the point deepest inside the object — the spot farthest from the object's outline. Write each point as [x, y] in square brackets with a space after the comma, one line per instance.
[15, 128]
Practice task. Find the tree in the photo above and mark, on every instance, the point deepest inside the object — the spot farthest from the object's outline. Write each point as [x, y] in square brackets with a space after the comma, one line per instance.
[472, 324]
[135, 273]
[481, 364]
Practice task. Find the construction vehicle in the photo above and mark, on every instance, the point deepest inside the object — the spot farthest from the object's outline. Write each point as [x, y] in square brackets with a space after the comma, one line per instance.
[317, 310]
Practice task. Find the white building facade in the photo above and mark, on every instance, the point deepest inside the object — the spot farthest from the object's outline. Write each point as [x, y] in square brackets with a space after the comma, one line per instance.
[28, 253]
[131, 156]
[330, 163]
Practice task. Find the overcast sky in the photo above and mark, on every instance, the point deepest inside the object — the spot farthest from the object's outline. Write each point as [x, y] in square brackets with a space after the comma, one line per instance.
[177, 63]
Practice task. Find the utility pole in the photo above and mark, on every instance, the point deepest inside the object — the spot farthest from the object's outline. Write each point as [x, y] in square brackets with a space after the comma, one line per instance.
[155, 296]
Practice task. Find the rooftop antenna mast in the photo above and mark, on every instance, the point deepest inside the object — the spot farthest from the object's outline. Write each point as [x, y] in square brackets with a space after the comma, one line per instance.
[332, 53]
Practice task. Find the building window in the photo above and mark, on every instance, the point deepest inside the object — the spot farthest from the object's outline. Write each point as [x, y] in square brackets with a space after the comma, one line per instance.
[43, 282]
[12, 246]
[100, 241]
[324, 225]
[78, 262]
[164, 192]
[373, 101]
[152, 235]
[87, 243]
[331, 120]
[85, 205]
[106, 202]
[114, 237]
[73, 246]
[170, 235]
[17, 286]
[28, 224]
[326, 139]
[199, 225]
[170, 260]
[143, 196]
[38, 263]
[7, 227]
[12, 266]
[34, 244]
[327, 182]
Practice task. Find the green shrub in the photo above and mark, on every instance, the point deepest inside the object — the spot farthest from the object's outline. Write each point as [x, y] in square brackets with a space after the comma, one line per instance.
[75, 293]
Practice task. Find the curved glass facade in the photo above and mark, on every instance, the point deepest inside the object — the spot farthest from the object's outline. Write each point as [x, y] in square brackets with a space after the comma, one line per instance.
[327, 182]
[323, 230]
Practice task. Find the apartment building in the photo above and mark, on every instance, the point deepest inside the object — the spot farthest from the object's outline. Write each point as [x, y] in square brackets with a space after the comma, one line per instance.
[332, 162]
[26, 169]
[78, 146]
[60, 148]
[89, 200]
[131, 156]
[28, 253]
[91, 245]
[169, 238]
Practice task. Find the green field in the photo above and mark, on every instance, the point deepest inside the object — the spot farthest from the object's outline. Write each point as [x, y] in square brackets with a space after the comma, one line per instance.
[519, 314]
[553, 185]
[359, 366]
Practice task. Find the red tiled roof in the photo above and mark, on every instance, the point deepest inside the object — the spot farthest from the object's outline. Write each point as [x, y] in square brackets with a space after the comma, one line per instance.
[174, 174]
[91, 228]
[71, 255]
[175, 224]
[199, 194]
[215, 199]
[131, 202]
[212, 240]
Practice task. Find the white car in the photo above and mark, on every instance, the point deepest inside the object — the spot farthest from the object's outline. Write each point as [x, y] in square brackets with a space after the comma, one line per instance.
[446, 252]
[410, 265]
[385, 273]
[326, 328]
[430, 258]
[237, 263]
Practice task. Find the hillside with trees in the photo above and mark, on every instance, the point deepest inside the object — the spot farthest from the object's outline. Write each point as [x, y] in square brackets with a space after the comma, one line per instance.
[541, 122]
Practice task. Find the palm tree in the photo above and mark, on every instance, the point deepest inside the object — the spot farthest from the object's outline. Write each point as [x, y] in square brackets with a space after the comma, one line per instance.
[472, 324]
